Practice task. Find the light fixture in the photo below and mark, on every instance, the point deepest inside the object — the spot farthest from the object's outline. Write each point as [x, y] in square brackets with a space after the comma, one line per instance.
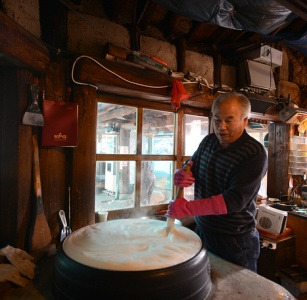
[292, 115]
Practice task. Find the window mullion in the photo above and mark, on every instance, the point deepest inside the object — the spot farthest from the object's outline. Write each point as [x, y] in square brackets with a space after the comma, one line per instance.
[179, 139]
[138, 158]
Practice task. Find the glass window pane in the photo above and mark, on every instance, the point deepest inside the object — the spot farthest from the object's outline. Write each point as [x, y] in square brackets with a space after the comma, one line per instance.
[195, 129]
[260, 132]
[158, 132]
[116, 129]
[115, 185]
[188, 192]
[156, 182]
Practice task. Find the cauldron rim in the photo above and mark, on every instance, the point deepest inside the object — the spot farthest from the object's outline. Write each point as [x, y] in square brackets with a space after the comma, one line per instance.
[188, 231]
[202, 249]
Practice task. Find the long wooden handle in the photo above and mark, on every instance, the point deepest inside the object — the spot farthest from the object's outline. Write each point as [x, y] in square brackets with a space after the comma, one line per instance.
[171, 221]
[37, 177]
[41, 235]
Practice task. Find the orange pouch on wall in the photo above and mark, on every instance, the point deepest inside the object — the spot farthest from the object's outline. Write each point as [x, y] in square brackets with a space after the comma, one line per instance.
[60, 124]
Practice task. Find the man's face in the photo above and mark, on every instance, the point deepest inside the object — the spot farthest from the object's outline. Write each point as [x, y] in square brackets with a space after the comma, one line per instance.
[227, 120]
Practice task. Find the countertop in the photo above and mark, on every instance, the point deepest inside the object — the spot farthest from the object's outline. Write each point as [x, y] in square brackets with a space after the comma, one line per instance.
[299, 213]
[229, 282]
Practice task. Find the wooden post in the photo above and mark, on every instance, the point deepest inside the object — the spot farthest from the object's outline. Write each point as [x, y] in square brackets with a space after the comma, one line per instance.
[181, 48]
[278, 154]
[84, 159]
[54, 161]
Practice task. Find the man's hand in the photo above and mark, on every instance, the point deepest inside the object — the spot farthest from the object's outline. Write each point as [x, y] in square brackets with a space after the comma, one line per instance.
[184, 178]
[180, 208]
[177, 209]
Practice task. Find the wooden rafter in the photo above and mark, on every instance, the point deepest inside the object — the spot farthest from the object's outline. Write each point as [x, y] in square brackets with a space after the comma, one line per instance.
[145, 16]
[22, 46]
[299, 7]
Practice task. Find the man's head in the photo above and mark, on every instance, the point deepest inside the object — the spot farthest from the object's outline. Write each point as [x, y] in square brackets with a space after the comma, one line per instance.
[230, 113]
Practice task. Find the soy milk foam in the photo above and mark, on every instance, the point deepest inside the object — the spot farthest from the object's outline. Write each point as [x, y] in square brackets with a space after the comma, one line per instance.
[131, 245]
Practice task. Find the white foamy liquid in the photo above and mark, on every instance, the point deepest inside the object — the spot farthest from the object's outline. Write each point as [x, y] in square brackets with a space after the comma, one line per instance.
[131, 245]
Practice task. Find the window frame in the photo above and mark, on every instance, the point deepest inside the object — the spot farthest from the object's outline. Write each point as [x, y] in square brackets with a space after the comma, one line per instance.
[178, 158]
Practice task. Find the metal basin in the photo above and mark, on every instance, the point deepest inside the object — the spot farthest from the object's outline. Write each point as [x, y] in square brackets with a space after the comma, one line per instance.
[284, 206]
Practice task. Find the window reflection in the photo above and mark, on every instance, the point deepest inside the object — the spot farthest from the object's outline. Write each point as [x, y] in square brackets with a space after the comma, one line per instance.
[115, 183]
[156, 182]
[158, 132]
[195, 129]
[260, 132]
[116, 129]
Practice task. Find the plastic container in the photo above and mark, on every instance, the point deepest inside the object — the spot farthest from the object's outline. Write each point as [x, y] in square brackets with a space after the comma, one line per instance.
[298, 158]
[298, 143]
[298, 153]
[299, 139]
[300, 147]
[298, 165]
[296, 171]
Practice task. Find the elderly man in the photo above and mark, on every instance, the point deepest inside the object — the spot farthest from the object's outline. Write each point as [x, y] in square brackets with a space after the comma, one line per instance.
[227, 169]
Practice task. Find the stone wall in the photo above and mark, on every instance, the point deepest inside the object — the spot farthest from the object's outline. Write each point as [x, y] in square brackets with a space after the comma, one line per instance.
[88, 34]
[89, 31]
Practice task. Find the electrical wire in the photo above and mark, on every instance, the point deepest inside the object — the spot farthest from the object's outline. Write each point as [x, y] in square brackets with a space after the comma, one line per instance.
[122, 78]
[110, 71]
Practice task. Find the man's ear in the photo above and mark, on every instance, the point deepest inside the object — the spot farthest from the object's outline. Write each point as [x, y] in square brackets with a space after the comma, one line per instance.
[245, 121]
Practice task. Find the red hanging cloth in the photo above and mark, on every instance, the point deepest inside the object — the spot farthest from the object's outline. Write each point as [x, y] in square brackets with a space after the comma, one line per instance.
[178, 94]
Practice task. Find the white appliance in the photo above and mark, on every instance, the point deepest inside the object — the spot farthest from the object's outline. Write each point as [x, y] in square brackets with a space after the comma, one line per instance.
[271, 220]
[256, 76]
[266, 55]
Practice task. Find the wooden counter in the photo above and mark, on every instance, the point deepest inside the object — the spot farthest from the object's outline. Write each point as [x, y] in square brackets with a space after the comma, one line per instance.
[299, 226]
[229, 282]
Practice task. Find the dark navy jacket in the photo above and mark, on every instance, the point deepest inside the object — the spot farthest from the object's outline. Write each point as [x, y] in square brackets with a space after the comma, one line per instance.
[236, 173]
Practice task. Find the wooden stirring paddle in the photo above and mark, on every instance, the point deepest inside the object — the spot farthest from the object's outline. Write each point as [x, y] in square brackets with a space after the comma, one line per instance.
[170, 221]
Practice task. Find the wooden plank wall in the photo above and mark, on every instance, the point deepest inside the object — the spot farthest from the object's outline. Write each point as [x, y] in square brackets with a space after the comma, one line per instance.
[55, 161]
[16, 157]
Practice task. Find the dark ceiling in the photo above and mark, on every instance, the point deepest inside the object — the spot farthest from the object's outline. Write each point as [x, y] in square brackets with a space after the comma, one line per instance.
[178, 22]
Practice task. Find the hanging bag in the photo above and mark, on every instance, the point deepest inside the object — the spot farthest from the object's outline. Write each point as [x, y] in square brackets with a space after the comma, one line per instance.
[61, 124]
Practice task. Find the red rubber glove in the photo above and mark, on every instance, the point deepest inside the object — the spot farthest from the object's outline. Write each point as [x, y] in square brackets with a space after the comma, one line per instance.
[181, 207]
[183, 178]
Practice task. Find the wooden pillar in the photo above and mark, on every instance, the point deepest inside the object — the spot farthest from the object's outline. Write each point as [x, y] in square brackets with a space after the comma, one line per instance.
[84, 159]
[278, 154]
[54, 161]
[217, 70]
[181, 47]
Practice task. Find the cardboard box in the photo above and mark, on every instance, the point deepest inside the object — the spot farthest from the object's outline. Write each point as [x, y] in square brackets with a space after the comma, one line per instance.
[271, 220]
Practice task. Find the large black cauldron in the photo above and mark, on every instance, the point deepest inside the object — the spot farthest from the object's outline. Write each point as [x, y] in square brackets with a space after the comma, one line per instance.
[188, 280]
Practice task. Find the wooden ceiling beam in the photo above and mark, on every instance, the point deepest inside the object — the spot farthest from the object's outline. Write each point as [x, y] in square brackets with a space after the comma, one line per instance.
[299, 7]
[145, 16]
[89, 72]
[21, 46]
[179, 26]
